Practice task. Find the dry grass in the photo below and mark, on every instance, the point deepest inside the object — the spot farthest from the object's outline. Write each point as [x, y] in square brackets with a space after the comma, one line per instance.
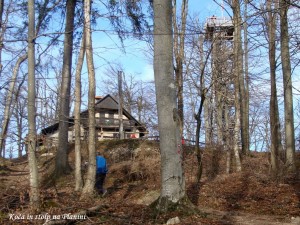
[134, 179]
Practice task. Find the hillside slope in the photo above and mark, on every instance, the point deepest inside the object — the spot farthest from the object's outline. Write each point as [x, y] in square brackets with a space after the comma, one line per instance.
[133, 183]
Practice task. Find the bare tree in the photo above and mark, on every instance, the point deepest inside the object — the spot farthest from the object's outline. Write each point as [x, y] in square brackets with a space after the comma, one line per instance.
[61, 162]
[203, 91]
[8, 103]
[172, 174]
[91, 173]
[77, 127]
[20, 114]
[22, 56]
[179, 43]
[129, 86]
[287, 86]
[3, 29]
[238, 69]
[240, 73]
[247, 80]
[134, 94]
[274, 114]
[33, 170]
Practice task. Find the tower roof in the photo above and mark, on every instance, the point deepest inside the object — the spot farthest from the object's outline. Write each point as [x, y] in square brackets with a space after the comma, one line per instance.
[219, 25]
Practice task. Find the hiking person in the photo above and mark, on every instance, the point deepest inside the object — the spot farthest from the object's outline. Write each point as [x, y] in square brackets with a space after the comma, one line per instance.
[101, 171]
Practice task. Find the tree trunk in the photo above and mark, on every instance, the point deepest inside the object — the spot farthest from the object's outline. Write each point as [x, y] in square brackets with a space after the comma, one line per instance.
[61, 162]
[91, 174]
[237, 76]
[33, 169]
[274, 114]
[198, 127]
[236, 132]
[239, 73]
[19, 116]
[77, 107]
[203, 93]
[227, 140]
[172, 175]
[19, 119]
[8, 103]
[179, 38]
[208, 120]
[3, 29]
[247, 98]
[287, 87]
[198, 115]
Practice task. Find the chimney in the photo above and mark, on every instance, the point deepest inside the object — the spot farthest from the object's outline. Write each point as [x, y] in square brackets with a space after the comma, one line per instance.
[98, 98]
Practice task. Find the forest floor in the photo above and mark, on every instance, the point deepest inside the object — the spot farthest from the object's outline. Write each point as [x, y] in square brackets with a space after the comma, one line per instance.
[133, 183]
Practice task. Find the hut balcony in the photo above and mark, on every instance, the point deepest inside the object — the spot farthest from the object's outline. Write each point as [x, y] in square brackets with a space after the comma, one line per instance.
[111, 122]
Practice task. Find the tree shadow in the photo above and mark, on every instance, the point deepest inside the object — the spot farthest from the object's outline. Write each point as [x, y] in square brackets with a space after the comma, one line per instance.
[129, 190]
[214, 167]
[193, 192]
[234, 198]
[295, 183]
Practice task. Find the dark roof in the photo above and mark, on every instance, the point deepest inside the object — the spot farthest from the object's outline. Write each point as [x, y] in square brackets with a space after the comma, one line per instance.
[55, 126]
[108, 102]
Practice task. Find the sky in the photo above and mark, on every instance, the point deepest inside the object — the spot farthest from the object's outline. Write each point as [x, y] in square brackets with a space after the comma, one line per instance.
[136, 59]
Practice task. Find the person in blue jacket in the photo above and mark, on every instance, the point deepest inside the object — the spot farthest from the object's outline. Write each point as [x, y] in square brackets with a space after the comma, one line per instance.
[101, 171]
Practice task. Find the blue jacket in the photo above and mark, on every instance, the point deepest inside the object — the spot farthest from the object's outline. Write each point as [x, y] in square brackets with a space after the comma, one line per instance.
[101, 165]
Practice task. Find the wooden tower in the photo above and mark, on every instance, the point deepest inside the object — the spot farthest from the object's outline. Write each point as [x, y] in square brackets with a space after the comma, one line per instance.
[219, 31]
[220, 27]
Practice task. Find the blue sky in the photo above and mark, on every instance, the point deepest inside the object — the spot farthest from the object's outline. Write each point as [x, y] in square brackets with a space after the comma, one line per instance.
[136, 59]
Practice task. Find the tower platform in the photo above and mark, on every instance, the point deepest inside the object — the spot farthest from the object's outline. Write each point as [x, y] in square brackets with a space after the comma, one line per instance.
[216, 27]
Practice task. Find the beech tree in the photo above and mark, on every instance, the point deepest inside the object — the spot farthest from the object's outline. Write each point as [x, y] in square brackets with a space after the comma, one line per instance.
[91, 173]
[61, 162]
[237, 70]
[2, 28]
[21, 56]
[287, 86]
[246, 102]
[77, 107]
[172, 174]
[179, 43]
[8, 103]
[271, 23]
[20, 114]
[31, 142]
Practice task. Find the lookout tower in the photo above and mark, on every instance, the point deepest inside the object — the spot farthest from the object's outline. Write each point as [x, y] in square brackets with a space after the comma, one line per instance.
[219, 31]
[218, 27]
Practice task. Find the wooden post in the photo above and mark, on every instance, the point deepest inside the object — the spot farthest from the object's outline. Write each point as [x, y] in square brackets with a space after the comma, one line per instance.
[120, 105]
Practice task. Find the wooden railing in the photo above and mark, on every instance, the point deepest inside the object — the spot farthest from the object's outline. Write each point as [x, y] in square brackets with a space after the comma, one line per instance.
[112, 122]
[183, 141]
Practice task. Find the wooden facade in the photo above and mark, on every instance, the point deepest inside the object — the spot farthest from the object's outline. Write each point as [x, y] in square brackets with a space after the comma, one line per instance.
[107, 123]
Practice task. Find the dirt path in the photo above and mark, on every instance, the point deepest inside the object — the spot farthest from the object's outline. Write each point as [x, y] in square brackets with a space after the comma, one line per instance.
[239, 218]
